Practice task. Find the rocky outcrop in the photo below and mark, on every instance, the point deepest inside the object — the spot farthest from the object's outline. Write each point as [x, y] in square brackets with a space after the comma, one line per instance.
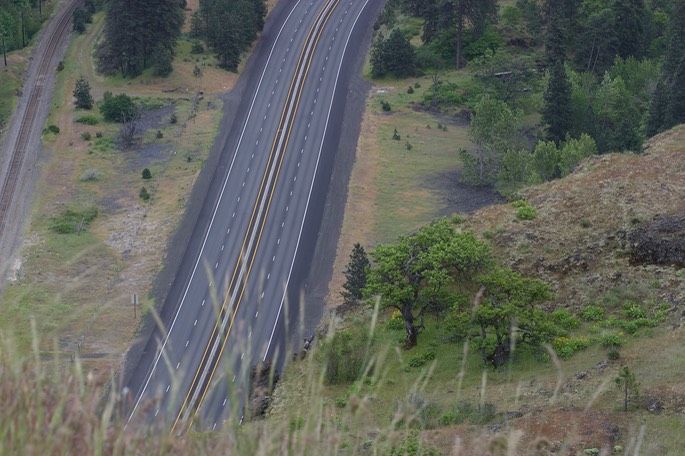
[661, 241]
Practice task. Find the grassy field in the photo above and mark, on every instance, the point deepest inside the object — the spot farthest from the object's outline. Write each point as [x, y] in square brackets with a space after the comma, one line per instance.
[77, 287]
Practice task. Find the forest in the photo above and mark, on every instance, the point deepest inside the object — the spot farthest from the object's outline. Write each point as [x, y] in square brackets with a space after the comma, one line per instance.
[595, 77]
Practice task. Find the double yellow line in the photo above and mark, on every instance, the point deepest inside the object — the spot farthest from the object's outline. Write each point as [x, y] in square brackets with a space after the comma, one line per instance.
[201, 386]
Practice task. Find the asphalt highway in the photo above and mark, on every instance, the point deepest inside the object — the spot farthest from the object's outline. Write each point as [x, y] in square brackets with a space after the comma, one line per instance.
[235, 304]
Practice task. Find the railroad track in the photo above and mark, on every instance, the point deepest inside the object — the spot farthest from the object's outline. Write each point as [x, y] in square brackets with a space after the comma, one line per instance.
[28, 120]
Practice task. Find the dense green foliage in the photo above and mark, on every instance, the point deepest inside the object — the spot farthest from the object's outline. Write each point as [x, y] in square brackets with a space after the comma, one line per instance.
[415, 275]
[229, 27]
[393, 55]
[118, 108]
[82, 97]
[139, 34]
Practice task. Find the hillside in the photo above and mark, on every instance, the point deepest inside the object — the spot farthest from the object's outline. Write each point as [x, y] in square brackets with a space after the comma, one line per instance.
[579, 243]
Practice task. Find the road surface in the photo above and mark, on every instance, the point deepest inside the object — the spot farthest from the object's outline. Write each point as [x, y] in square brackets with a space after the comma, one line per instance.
[235, 306]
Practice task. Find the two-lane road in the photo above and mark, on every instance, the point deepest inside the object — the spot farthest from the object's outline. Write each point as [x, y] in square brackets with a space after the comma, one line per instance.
[230, 313]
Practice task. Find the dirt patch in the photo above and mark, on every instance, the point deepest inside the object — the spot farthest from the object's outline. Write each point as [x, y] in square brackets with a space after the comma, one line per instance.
[458, 197]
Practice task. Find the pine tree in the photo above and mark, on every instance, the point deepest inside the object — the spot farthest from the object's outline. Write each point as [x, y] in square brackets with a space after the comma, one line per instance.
[355, 273]
[83, 99]
[626, 381]
[657, 110]
[556, 113]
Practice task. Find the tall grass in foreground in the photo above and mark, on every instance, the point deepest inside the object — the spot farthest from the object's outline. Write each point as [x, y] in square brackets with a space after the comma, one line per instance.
[58, 408]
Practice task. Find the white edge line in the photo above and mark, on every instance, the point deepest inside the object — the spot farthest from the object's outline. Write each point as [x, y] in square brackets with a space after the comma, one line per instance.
[216, 208]
[311, 187]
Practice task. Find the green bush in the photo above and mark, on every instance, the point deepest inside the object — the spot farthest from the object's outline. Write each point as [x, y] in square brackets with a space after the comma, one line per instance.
[526, 213]
[565, 320]
[422, 359]
[54, 129]
[118, 108]
[85, 136]
[343, 354]
[592, 313]
[611, 341]
[614, 355]
[147, 174]
[565, 347]
[396, 321]
[90, 175]
[385, 106]
[73, 221]
[144, 194]
[519, 203]
[98, 134]
[467, 412]
[341, 401]
[396, 135]
[633, 311]
[87, 119]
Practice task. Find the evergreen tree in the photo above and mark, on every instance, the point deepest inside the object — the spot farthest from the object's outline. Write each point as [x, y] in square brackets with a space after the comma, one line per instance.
[628, 384]
[629, 27]
[83, 99]
[394, 55]
[355, 274]
[556, 112]
[657, 110]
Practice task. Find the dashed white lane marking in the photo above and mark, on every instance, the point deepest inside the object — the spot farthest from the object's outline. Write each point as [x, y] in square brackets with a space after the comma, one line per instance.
[156, 412]
[224, 404]
[234, 378]
[167, 388]
[256, 315]
[249, 335]
[203, 302]
[261, 129]
[282, 224]
[195, 324]
[248, 170]
[234, 215]
[222, 247]
[187, 342]
[228, 231]
[262, 297]
[268, 276]
[256, 143]
[178, 365]
[243, 184]
[252, 155]
[286, 208]
[238, 199]
[298, 164]
[214, 427]
[291, 193]
[242, 356]
[305, 138]
[279, 241]
[273, 259]
[216, 265]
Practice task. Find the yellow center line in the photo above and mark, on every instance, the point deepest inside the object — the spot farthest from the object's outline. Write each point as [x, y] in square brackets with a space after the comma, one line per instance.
[263, 221]
[247, 235]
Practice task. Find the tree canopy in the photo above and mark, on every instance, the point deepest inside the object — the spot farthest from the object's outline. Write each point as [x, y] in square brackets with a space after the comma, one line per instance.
[415, 274]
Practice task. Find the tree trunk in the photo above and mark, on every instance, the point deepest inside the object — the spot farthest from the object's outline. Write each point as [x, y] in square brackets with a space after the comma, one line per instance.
[412, 330]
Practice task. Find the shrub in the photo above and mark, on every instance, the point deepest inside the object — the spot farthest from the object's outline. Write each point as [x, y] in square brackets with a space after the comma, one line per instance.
[173, 119]
[396, 321]
[144, 194]
[341, 401]
[396, 135]
[147, 174]
[73, 221]
[526, 213]
[565, 347]
[614, 355]
[633, 311]
[467, 412]
[565, 320]
[611, 340]
[410, 90]
[88, 119]
[385, 106]
[98, 134]
[54, 129]
[90, 175]
[118, 108]
[343, 355]
[420, 360]
[85, 136]
[408, 145]
[159, 134]
[592, 313]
